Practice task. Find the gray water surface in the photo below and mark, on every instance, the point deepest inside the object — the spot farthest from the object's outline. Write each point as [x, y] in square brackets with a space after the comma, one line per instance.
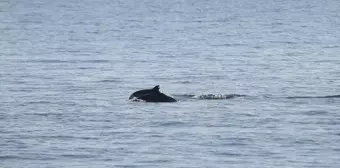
[67, 69]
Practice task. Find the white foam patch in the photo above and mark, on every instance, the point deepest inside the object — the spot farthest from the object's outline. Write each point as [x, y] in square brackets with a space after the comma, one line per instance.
[217, 96]
[211, 96]
[135, 99]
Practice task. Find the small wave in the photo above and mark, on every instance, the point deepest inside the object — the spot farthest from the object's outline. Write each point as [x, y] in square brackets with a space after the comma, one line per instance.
[80, 156]
[172, 123]
[10, 157]
[94, 61]
[317, 97]
[86, 68]
[229, 154]
[168, 124]
[155, 161]
[45, 114]
[46, 61]
[305, 141]
[283, 42]
[331, 46]
[66, 61]
[127, 166]
[110, 81]
[315, 112]
[65, 137]
[39, 102]
[228, 45]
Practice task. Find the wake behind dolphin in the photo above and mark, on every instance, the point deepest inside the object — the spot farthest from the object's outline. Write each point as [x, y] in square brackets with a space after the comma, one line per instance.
[209, 96]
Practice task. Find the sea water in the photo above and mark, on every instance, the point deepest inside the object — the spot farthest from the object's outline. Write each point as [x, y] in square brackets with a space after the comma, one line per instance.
[68, 67]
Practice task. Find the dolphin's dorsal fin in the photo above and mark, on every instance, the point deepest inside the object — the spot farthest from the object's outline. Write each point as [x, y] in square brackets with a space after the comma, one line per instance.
[156, 88]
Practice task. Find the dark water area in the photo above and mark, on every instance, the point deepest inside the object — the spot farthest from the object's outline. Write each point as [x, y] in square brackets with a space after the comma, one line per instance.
[258, 83]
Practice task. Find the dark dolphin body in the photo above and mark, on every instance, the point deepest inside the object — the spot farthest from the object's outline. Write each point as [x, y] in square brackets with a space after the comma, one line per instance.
[152, 95]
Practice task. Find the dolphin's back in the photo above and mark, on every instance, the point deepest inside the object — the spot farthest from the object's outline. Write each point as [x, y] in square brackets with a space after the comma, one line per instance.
[157, 97]
[152, 95]
[140, 93]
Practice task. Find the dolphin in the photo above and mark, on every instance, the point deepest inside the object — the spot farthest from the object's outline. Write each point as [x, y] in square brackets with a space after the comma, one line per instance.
[151, 95]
